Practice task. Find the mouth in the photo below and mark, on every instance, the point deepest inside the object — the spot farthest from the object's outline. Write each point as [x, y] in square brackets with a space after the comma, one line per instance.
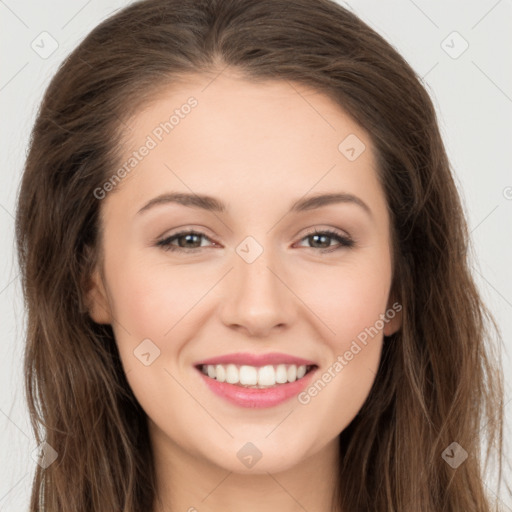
[256, 377]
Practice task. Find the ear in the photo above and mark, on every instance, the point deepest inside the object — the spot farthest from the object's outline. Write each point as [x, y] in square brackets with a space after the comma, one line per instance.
[394, 316]
[97, 300]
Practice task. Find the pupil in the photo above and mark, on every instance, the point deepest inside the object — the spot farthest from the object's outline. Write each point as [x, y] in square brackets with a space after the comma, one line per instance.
[188, 238]
[315, 237]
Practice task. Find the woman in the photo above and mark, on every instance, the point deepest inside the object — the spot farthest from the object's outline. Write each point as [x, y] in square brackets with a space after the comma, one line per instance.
[256, 370]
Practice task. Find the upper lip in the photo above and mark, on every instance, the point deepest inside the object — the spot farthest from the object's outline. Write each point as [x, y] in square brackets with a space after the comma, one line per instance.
[241, 358]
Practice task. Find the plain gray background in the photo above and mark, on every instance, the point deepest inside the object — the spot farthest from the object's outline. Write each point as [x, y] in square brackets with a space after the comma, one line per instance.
[471, 89]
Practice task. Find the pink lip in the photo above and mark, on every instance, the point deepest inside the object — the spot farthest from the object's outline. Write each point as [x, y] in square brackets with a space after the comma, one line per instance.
[241, 358]
[258, 398]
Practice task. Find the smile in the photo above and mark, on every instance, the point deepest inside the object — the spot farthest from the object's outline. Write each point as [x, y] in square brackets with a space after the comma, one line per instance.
[256, 377]
[256, 387]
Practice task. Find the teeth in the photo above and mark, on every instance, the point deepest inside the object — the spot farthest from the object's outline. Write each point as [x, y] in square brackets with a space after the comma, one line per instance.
[267, 376]
[281, 374]
[255, 377]
[220, 373]
[248, 375]
[232, 375]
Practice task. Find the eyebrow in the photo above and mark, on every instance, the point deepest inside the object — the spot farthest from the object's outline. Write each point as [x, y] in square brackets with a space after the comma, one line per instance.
[213, 204]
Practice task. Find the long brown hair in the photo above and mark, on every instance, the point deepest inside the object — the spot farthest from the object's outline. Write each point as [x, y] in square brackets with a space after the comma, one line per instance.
[439, 380]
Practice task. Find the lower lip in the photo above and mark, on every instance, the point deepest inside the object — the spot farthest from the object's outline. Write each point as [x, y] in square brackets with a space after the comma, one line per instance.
[257, 398]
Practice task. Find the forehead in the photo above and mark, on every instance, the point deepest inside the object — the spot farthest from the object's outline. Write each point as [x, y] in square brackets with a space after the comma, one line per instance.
[227, 136]
[279, 110]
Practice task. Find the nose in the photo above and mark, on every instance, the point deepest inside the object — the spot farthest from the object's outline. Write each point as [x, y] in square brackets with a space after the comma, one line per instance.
[257, 297]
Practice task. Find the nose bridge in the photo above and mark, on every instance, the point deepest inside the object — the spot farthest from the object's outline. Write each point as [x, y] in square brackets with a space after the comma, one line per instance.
[255, 279]
[257, 298]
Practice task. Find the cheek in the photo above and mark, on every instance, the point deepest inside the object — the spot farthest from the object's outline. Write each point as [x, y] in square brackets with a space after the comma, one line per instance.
[151, 303]
[340, 390]
[348, 299]
[351, 303]
[150, 299]
[352, 308]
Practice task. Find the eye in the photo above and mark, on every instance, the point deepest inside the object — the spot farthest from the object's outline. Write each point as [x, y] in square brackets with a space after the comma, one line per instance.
[187, 241]
[319, 237]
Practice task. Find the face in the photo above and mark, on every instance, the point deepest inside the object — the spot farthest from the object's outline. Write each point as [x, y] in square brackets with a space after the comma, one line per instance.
[252, 284]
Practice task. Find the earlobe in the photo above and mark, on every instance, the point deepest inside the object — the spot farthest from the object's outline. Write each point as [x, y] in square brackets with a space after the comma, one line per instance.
[97, 300]
[394, 318]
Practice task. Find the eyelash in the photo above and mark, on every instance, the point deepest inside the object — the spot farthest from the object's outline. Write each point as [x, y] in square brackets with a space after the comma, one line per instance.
[165, 243]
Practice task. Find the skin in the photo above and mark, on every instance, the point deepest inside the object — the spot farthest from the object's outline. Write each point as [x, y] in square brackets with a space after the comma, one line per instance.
[258, 147]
